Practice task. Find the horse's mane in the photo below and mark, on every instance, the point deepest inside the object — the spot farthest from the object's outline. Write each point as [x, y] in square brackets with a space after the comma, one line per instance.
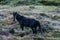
[18, 15]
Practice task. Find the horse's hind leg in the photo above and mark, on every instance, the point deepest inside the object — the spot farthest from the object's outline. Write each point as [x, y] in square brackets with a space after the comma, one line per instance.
[34, 30]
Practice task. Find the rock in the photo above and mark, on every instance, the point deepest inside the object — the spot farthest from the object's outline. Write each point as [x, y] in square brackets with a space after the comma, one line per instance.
[38, 39]
[4, 33]
[11, 31]
[44, 15]
[23, 34]
[3, 16]
[2, 37]
[10, 23]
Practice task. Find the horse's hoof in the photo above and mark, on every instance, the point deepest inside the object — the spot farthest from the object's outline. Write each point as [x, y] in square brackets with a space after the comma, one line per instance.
[21, 35]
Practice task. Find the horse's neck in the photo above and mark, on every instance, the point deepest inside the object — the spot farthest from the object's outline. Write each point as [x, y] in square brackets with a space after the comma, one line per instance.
[19, 17]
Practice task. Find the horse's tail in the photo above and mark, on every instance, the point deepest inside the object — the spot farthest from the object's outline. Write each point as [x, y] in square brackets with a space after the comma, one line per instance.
[41, 30]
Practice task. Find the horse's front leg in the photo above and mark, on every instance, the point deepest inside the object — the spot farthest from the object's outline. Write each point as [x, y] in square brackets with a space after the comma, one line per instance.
[22, 27]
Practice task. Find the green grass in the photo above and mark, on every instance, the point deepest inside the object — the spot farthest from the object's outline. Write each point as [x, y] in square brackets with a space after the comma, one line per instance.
[30, 2]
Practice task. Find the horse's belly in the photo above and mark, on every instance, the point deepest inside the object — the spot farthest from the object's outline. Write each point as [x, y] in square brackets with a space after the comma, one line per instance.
[26, 24]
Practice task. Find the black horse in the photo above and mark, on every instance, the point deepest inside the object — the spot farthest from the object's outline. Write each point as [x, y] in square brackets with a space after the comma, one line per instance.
[27, 22]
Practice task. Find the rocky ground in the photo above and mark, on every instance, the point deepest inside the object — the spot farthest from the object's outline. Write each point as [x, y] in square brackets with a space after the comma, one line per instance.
[49, 16]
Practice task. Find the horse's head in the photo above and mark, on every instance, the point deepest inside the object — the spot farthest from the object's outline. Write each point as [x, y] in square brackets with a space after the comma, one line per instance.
[14, 15]
[17, 16]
